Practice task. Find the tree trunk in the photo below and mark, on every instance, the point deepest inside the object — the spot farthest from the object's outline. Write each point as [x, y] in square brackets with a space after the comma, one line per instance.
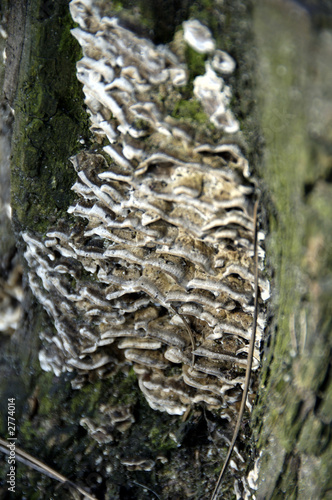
[292, 417]
[281, 95]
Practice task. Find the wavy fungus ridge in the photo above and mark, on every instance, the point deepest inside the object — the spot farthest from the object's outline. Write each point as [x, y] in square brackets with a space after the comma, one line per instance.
[157, 271]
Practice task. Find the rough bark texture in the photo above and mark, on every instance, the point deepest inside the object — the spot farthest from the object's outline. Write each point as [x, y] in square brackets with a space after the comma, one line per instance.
[283, 51]
[292, 418]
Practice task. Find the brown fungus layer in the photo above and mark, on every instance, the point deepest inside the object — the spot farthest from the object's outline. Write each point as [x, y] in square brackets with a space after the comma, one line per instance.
[159, 271]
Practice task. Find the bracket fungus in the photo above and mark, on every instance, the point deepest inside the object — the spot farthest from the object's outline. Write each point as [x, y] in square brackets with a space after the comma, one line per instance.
[198, 36]
[158, 270]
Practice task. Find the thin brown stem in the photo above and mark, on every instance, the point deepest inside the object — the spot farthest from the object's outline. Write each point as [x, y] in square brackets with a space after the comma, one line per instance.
[249, 365]
[190, 333]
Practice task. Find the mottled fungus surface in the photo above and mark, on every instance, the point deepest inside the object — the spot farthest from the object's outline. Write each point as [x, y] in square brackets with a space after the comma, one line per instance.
[157, 272]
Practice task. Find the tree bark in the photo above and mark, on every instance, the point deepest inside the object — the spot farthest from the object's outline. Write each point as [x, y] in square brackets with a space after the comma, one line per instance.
[292, 417]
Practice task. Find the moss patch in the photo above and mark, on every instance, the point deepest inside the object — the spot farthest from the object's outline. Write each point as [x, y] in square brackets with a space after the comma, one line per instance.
[50, 119]
[190, 110]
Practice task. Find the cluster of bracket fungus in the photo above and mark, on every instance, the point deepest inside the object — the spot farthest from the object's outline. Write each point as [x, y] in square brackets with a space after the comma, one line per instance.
[157, 272]
[112, 418]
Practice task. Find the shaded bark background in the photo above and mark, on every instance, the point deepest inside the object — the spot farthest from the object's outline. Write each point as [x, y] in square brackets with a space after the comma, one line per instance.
[282, 95]
[292, 419]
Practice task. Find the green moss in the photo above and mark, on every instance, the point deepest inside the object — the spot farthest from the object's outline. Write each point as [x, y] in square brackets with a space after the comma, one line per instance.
[292, 422]
[125, 389]
[288, 484]
[325, 407]
[208, 13]
[314, 436]
[50, 120]
[160, 439]
[287, 146]
[195, 63]
[190, 110]
[27, 432]
[141, 124]
[296, 371]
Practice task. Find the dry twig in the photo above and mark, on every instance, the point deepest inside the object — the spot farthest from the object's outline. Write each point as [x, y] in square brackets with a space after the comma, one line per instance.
[250, 358]
[24, 457]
